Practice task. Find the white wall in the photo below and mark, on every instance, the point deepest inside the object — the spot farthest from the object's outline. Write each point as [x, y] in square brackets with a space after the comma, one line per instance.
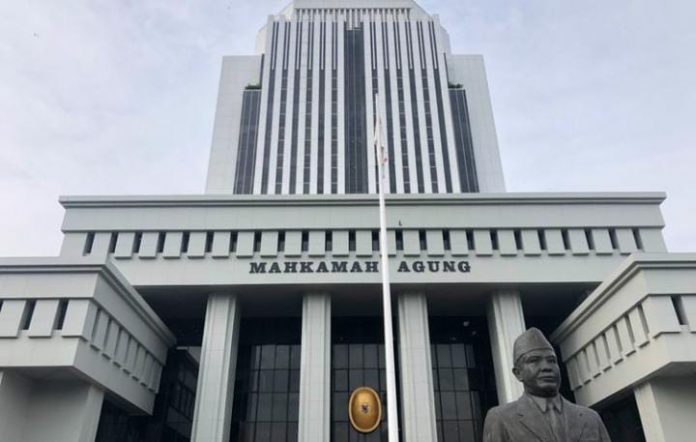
[470, 72]
[237, 73]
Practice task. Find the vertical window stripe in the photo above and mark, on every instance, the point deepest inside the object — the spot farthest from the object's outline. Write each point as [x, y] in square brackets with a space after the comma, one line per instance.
[462, 133]
[355, 115]
[248, 131]
[269, 112]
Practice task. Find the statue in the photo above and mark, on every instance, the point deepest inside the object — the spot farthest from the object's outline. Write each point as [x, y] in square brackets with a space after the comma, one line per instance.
[541, 414]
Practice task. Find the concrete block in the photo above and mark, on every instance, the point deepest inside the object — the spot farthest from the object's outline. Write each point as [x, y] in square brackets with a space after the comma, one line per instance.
[482, 243]
[11, 316]
[435, 243]
[44, 318]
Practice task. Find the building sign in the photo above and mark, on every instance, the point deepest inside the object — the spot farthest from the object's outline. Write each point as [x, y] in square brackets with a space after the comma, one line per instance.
[356, 266]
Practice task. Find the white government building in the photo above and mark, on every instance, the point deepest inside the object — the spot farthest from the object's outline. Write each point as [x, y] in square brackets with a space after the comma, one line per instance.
[251, 312]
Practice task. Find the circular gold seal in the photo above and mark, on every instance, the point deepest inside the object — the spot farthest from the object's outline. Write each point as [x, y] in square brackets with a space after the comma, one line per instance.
[365, 409]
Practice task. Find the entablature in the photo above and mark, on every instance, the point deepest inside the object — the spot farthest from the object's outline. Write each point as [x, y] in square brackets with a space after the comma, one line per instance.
[471, 238]
[80, 318]
[638, 324]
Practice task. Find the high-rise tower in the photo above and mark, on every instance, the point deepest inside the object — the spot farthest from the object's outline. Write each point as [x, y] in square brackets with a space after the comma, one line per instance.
[298, 117]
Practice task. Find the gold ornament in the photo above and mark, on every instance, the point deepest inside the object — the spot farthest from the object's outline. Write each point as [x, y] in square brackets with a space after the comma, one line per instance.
[365, 409]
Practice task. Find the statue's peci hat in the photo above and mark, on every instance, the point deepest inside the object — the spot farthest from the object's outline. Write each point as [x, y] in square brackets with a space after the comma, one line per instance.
[532, 339]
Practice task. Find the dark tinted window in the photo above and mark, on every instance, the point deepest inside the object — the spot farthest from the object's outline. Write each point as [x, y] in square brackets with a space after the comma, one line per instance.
[464, 145]
[266, 392]
[463, 377]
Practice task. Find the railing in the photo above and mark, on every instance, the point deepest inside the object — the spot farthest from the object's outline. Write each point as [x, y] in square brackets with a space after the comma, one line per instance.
[640, 323]
[83, 317]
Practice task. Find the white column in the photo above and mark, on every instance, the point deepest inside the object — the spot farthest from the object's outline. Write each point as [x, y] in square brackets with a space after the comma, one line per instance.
[417, 393]
[315, 369]
[213, 410]
[505, 324]
[43, 411]
[666, 407]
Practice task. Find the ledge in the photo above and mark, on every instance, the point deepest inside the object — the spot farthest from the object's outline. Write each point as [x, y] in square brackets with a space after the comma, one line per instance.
[70, 202]
[101, 266]
[614, 282]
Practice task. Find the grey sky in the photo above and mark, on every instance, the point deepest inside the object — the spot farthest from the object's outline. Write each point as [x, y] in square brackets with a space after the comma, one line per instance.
[117, 97]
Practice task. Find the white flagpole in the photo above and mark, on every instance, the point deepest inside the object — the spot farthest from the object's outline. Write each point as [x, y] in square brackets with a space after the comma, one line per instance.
[392, 413]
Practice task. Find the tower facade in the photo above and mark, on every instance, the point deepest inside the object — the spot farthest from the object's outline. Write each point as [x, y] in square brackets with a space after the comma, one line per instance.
[298, 118]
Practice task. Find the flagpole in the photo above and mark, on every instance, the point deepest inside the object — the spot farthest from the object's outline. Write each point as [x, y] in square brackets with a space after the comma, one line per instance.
[392, 411]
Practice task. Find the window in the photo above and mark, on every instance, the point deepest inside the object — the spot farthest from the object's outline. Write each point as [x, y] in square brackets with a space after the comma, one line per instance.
[463, 377]
[266, 393]
[357, 360]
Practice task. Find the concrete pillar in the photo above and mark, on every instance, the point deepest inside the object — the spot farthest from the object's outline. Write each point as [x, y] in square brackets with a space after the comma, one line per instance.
[14, 396]
[315, 369]
[666, 406]
[417, 391]
[48, 411]
[213, 410]
[505, 324]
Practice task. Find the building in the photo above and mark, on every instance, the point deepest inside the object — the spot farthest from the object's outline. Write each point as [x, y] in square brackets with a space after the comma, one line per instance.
[250, 313]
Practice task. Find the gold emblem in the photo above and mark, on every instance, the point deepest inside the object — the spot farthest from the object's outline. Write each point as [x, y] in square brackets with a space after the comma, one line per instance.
[365, 409]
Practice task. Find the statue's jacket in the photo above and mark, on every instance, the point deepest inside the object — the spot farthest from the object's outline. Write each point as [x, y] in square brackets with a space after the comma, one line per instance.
[523, 421]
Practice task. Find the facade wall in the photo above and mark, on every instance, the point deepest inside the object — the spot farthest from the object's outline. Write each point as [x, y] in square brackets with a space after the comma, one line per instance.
[294, 124]
[313, 124]
[470, 72]
[237, 74]
[63, 412]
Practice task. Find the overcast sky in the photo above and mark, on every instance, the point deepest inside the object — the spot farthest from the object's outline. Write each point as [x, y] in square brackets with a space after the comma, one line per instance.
[117, 97]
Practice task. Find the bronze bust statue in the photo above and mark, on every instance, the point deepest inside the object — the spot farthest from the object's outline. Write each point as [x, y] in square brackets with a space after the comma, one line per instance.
[541, 414]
